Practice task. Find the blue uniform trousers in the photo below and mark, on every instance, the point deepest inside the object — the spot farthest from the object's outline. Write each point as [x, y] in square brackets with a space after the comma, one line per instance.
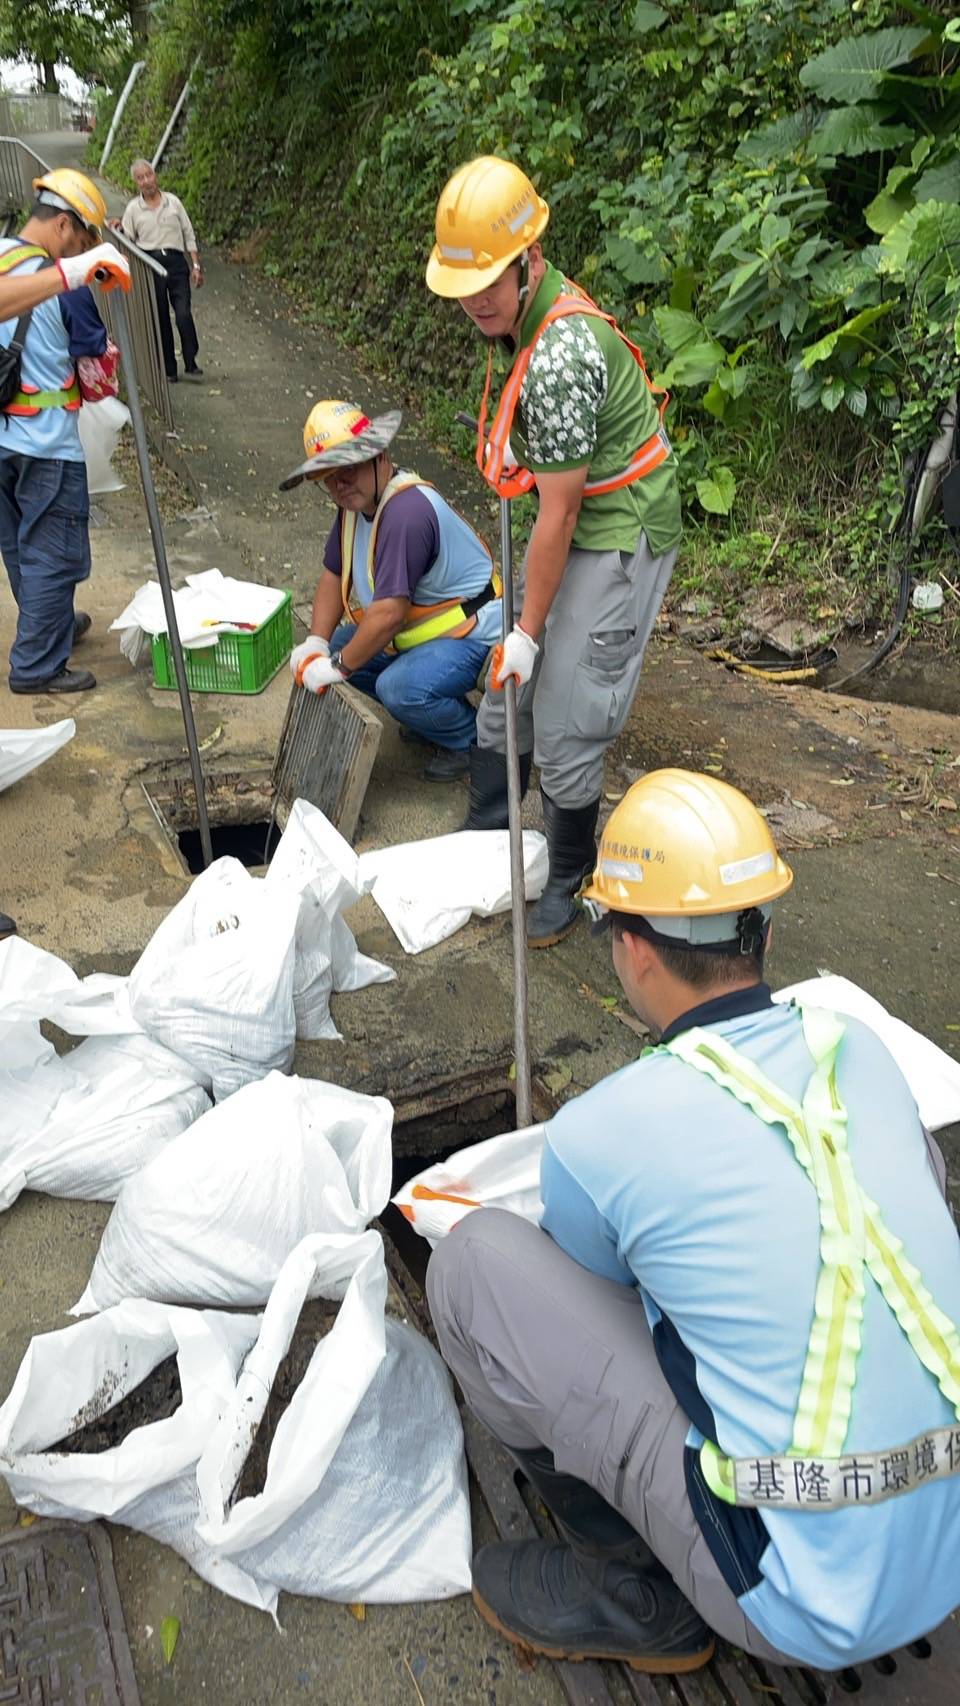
[45, 544]
[425, 687]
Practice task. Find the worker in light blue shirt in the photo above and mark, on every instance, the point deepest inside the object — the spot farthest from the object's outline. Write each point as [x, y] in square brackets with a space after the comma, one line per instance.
[728, 1358]
[44, 503]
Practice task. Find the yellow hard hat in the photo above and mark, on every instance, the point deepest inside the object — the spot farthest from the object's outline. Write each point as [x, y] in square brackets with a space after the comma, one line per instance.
[487, 215]
[74, 193]
[339, 435]
[681, 848]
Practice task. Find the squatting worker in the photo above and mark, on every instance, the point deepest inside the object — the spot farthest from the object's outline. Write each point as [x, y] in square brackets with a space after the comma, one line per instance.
[157, 221]
[408, 607]
[44, 504]
[728, 1357]
[581, 413]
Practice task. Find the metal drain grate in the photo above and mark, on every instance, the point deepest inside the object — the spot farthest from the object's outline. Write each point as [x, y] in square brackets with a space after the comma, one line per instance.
[327, 748]
[62, 1636]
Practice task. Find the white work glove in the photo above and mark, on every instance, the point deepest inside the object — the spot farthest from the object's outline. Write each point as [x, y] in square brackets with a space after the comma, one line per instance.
[103, 265]
[517, 657]
[312, 647]
[319, 675]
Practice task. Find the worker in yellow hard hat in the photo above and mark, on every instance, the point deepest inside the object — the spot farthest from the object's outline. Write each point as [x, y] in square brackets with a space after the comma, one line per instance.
[578, 411]
[407, 605]
[727, 1359]
[44, 504]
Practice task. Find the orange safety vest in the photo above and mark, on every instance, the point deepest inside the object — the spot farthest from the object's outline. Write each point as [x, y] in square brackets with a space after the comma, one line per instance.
[512, 481]
[30, 400]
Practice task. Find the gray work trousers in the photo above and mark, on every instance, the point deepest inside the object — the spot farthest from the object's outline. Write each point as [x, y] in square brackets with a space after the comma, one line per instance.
[591, 654]
[548, 1354]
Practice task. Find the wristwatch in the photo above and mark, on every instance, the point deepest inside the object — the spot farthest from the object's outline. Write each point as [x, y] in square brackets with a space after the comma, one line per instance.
[336, 658]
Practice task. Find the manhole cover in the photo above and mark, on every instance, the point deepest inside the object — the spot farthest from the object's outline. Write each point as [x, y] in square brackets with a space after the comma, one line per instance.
[62, 1637]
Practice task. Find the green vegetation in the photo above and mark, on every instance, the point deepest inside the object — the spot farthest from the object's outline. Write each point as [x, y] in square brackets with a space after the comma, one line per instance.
[767, 196]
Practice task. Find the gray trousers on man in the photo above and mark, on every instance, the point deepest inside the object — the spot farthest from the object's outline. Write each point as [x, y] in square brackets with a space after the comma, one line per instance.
[581, 691]
[548, 1354]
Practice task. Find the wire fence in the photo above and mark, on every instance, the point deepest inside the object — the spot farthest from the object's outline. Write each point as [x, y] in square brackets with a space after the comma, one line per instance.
[19, 165]
[27, 115]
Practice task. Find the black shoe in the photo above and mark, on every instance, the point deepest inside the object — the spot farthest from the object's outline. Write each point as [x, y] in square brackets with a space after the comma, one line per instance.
[82, 623]
[193, 372]
[446, 766]
[7, 926]
[488, 787]
[172, 378]
[546, 1597]
[68, 681]
[572, 850]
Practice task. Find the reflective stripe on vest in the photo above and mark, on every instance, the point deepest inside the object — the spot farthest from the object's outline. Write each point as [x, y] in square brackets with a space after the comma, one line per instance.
[852, 1235]
[27, 401]
[513, 481]
[16, 256]
[30, 402]
[444, 621]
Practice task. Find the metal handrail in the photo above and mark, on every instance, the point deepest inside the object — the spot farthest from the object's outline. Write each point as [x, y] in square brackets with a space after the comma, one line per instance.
[19, 165]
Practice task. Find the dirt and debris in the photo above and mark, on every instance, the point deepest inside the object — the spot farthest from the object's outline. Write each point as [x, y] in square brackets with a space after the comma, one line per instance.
[101, 1429]
[316, 1320]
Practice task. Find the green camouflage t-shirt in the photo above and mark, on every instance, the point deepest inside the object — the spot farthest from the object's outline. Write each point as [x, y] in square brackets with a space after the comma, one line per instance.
[584, 399]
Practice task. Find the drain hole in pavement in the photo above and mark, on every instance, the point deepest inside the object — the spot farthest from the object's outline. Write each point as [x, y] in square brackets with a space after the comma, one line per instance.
[432, 1125]
[240, 807]
[244, 841]
[849, 1680]
[886, 1664]
[920, 1649]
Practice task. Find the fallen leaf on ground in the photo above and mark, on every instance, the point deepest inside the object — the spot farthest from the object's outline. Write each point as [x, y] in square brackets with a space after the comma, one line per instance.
[358, 1611]
[169, 1636]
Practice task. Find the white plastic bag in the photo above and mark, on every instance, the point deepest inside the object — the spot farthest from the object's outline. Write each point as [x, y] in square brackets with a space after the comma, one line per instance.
[933, 1075]
[366, 1490]
[214, 1218]
[501, 1172]
[100, 425]
[23, 750]
[314, 861]
[35, 984]
[215, 982]
[428, 889]
[78, 1126]
[148, 1481]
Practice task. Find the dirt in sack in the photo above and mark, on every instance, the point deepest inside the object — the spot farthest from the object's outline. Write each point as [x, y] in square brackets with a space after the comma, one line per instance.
[316, 1319]
[101, 1426]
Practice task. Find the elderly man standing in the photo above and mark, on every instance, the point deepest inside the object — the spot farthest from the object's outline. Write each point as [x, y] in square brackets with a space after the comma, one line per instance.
[158, 223]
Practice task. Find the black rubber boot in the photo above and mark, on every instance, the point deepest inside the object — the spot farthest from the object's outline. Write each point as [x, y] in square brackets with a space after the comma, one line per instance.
[572, 849]
[488, 787]
[554, 1599]
[7, 926]
[581, 1514]
[446, 765]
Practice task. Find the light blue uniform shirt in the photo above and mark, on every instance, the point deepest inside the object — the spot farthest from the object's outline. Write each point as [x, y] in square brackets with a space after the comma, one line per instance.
[47, 365]
[658, 1178]
[461, 568]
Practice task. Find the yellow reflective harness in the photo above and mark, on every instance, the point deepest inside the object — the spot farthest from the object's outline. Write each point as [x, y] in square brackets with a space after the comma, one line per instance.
[814, 1473]
[450, 619]
[28, 401]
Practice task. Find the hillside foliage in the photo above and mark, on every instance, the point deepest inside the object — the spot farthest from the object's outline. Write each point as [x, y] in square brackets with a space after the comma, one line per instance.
[767, 195]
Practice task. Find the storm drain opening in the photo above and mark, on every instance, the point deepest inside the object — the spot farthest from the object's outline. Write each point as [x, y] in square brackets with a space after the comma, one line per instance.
[439, 1119]
[240, 807]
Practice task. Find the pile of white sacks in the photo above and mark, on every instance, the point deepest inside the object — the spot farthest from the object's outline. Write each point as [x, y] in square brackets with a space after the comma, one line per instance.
[235, 1184]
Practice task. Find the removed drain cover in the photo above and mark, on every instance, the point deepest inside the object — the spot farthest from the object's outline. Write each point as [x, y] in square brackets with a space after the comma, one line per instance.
[62, 1635]
[327, 747]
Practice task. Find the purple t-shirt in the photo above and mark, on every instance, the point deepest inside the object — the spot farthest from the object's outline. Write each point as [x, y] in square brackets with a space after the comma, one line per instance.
[408, 540]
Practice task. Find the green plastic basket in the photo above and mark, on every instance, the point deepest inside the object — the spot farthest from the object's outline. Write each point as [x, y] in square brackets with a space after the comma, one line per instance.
[238, 663]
